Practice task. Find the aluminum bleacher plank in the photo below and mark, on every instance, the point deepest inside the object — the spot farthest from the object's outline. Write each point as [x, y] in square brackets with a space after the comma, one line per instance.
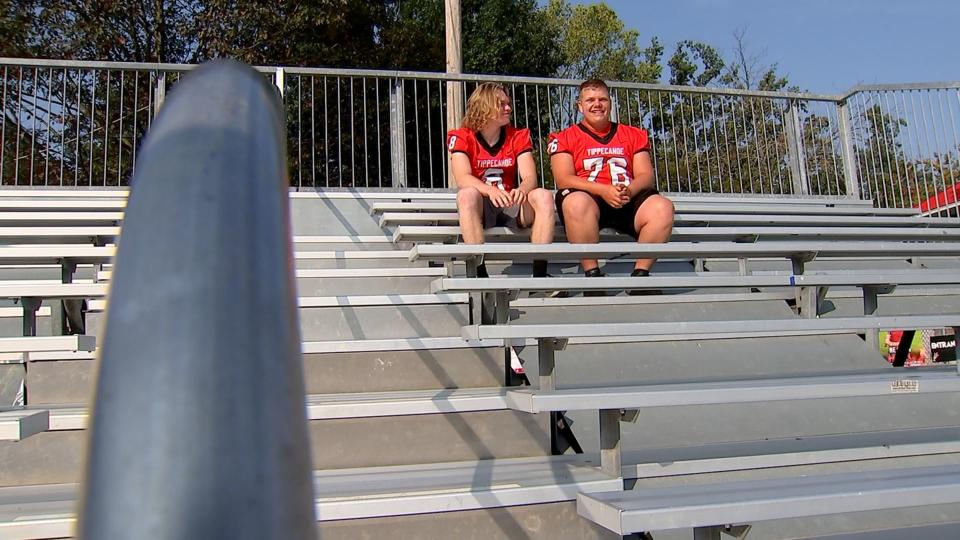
[398, 344]
[417, 489]
[47, 343]
[693, 280]
[886, 382]
[816, 221]
[47, 511]
[54, 205]
[790, 452]
[349, 405]
[653, 509]
[810, 249]
[369, 272]
[19, 424]
[684, 206]
[402, 403]
[54, 290]
[613, 331]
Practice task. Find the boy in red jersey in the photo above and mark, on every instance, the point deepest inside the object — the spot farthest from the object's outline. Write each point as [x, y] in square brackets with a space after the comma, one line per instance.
[493, 165]
[604, 178]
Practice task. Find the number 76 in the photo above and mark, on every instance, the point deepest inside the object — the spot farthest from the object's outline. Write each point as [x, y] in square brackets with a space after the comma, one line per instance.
[617, 166]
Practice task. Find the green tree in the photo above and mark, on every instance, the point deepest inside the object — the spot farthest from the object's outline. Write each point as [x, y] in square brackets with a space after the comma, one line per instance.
[594, 43]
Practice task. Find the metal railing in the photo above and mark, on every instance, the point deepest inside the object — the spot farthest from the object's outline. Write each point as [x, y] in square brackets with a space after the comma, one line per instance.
[78, 123]
[199, 424]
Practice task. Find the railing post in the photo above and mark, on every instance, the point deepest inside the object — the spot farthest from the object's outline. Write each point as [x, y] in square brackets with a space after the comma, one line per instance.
[797, 156]
[847, 150]
[199, 419]
[160, 92]
[398, 141]
[278, 80]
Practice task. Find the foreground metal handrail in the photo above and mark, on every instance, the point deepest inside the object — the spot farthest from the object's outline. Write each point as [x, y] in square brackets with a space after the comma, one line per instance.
[199, 425]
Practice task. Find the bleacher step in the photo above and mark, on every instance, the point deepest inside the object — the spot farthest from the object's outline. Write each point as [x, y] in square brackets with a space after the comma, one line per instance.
[886, 382]
[41, 512]
[653, 509]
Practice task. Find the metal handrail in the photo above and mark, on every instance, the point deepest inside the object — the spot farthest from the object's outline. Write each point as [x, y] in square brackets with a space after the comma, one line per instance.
[199, 423]
[465, 77]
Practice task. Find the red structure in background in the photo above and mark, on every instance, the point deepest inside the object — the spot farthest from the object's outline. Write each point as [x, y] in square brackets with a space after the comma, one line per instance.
[943, 200]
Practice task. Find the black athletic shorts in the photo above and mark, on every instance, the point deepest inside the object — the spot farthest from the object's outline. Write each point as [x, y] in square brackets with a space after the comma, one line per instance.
[620, 219]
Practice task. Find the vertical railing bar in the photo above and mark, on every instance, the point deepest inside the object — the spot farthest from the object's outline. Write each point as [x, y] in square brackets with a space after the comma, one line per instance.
[444, 158]
[686, 153]
[3, 128]
[353, 138]
[91, 121]
[63, 126]
[106, 126]
[890, 146]
[550, 110]
[756, 138]
[867, 149]
[781, 135]
[818, 151]
[819, 142]
[299, 129]
[429, 133]
[862, 171]
[736, 142]
[909, 163]
[861, 155]
[543, 169]
[768, 158]
[416, 129]
[120, 130]
[654, 147]
[904, 178]
[716, 142]
[673, 135]
[326, 137]
[830, 150]
[771, 146]
[703, 176]
[929, 148]
[379, 135]
[136, 126]
[881, 138]
[150, 86]
[16, 154]
[3, 125]
[870, 153]
[746, 140]
[33, 120]
[76, 160]
[706, 142]
[955, 147]
[339, 136]
[939, 146]
[833, 119]
[366, 139]
[47, 137]
[910, 110]
[313, 131]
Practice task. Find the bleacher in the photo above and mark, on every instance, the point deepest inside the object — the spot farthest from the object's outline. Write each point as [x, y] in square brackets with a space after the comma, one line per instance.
[750, 398]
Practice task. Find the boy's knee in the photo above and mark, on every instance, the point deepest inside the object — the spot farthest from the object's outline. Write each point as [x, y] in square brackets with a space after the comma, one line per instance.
[469, 198]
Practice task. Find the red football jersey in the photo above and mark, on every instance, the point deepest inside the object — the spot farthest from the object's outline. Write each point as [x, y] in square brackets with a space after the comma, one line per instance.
[496, 165]
[607, 159]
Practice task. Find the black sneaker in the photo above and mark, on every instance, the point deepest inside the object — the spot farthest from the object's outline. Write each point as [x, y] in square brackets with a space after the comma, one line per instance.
[594, 272]
[640, 272]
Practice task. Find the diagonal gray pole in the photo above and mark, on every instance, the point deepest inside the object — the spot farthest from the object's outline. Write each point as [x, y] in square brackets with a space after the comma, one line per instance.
[199, 424]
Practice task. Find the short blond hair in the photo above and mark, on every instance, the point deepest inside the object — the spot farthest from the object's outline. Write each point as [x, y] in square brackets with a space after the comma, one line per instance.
[483, 105]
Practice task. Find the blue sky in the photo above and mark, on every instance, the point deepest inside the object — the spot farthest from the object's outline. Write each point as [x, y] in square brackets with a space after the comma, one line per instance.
[823, 46]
